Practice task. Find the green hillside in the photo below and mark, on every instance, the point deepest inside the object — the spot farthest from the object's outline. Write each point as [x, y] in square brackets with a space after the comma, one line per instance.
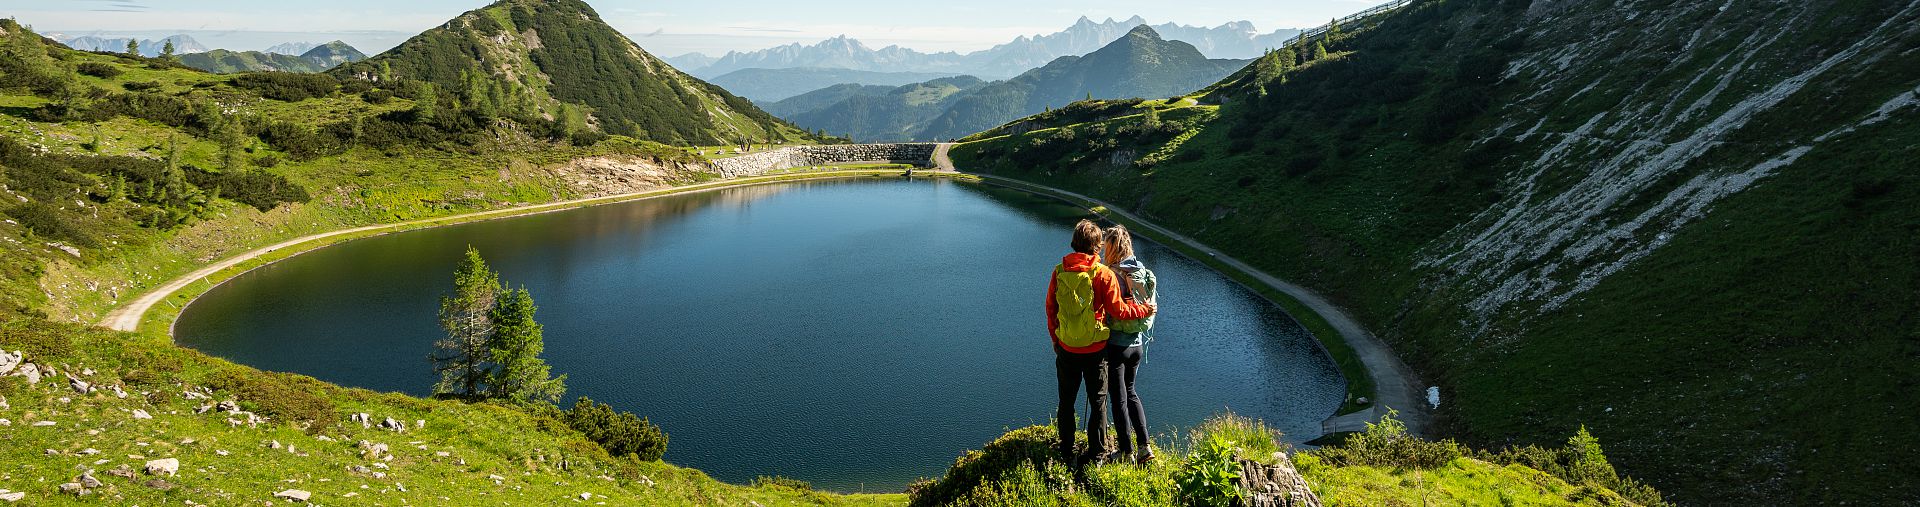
[557, 58]
[1137, 65]
[763, 86]
[1688, 226]
[890, 115]
[821, 98]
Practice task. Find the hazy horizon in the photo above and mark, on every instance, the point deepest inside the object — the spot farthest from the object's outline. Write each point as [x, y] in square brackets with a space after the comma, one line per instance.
[663, 29]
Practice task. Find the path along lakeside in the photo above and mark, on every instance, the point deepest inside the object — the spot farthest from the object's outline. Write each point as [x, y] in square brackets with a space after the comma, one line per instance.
[1396, 386]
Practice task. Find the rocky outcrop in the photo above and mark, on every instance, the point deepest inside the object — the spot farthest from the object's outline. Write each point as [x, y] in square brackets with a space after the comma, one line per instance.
[756, 164]
[1275, 485]
[615, 175]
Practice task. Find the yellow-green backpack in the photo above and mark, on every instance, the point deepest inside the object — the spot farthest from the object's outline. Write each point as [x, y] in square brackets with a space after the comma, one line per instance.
[1074, 304]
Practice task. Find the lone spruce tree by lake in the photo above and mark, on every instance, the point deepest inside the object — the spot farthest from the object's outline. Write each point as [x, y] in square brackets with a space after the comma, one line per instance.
[461, 357]
[521, 376]
[492, 348]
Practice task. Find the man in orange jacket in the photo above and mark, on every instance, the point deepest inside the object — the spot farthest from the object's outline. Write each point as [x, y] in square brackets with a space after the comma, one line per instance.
[1081, 295]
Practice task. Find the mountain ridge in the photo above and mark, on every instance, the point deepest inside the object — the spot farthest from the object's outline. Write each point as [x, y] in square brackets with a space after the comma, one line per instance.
[1233, 40]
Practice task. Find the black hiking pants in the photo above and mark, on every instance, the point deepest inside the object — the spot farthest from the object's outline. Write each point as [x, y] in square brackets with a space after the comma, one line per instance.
[1074, 370]
[1122, 363]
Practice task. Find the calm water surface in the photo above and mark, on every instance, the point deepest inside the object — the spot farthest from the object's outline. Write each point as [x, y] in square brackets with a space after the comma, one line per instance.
[858, 334]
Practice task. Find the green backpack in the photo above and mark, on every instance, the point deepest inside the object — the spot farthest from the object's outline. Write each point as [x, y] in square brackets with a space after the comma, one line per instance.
[1074, 307]
[1143, 292]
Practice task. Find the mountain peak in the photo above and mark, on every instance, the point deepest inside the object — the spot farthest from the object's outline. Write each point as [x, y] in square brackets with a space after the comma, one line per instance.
[1144, 31]
[1136, 20]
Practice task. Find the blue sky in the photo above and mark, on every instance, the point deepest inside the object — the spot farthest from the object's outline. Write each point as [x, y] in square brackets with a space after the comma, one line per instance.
[664, 28]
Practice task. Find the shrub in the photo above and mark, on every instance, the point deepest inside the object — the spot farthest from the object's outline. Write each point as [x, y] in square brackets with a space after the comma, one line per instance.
[1581, 461]
[260, 189]
[268, 161]
[620, 433]
[1387, 444]
[377, 96]
[99, 70]
[1002, 461]
[287, 86]
[280, 396]
[141, 86]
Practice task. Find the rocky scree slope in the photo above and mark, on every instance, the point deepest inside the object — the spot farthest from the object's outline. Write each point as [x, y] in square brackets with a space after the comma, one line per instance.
[1689, 226]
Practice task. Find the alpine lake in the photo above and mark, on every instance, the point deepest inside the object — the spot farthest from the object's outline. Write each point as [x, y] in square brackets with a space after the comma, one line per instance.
[854, 333]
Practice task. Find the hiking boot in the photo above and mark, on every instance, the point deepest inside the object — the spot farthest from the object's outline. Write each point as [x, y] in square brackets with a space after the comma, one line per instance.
[1145, 456]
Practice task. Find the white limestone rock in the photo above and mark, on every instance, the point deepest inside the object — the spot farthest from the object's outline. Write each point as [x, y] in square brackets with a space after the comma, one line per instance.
[166, 467]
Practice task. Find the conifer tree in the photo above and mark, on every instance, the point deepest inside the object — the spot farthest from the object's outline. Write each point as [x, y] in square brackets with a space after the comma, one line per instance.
[520, 376]
[1319, 51]
[167, 50]
[461, 358]
[133, 47]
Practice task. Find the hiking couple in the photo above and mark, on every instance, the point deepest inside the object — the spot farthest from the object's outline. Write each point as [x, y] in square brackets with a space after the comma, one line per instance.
[1100, 306]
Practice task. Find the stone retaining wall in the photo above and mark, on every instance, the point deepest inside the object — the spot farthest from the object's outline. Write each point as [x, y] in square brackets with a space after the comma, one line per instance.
[802, 156]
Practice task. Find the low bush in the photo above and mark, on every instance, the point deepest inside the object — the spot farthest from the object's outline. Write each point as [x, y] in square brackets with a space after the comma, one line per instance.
[141, 86]
[998, 464]
[620, 433]
[1387, 444]
[99, 70]
[287, 86]
[280, 396]
[1581, 461]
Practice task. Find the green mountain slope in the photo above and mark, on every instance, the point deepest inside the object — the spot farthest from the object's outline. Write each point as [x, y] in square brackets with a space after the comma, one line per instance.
[557, 58]
[320, 58]
[1139, 64]
[817, 99]
[1690, 227]
[770, 85]
[893, 115]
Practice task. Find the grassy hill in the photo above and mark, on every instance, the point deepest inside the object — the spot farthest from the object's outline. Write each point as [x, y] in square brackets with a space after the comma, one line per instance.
[557, 58]
[1685, 226]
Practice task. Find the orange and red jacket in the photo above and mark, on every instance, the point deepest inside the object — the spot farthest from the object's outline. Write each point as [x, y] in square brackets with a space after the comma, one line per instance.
[1106, 297]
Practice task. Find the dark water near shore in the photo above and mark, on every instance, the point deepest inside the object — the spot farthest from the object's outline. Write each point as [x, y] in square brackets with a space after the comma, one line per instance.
[857, 334]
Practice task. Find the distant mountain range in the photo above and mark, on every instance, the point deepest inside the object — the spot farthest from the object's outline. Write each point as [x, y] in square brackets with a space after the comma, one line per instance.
[1137, 64]
[182, 44]
[314, 59]
[770, 85]
[1238, 39]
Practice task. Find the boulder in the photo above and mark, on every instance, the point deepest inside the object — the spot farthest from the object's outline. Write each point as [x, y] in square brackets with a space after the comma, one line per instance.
[294, 494]
[391, 424]
[166, 467]
[141, 414]
[362, 418]
[10, 361]
[12, 496]
[121, 471]
[73, 488]
[30, 372]
[87, 480]
[228, 406]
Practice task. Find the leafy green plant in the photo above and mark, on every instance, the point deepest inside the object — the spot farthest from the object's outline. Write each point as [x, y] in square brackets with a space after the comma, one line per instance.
[1208, 476]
